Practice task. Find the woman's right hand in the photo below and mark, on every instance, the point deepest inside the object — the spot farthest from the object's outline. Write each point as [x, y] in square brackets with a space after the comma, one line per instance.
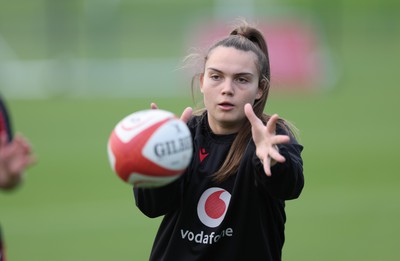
[185, 116]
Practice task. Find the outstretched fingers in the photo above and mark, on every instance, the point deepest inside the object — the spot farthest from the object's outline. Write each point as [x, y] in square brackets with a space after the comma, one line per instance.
[267, 165]
[271, 124]
[280, 139]
[275, 155]
[265, 139]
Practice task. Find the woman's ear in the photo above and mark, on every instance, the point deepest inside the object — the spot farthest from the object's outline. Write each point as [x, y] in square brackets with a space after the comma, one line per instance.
[201, 80]
[261, 89]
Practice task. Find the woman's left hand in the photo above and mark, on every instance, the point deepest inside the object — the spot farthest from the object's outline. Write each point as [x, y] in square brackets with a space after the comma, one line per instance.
[265, 139]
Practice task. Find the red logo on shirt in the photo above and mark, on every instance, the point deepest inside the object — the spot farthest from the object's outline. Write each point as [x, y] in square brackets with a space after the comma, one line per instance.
[202, 154]
[212, 206]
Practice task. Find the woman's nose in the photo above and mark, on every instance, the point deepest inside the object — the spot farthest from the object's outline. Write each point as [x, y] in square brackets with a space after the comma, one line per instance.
[227, 87]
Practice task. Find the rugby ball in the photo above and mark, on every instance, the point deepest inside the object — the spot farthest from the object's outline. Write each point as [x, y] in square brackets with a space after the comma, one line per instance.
[150, 148]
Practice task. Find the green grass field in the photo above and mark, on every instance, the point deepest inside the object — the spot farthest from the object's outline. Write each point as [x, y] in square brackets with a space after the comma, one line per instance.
[72, 207]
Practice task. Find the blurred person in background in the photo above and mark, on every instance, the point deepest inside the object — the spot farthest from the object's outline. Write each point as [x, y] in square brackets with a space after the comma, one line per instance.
[15, 157]
[230, 202]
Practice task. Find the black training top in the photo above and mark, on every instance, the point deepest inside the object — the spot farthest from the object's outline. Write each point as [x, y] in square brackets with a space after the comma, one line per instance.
[242, 218]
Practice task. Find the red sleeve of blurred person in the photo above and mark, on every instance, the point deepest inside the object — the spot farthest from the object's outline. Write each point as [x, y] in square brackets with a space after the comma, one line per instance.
[5, 126]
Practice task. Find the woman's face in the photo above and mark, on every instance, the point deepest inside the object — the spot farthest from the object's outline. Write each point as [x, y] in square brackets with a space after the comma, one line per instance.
[230, 80]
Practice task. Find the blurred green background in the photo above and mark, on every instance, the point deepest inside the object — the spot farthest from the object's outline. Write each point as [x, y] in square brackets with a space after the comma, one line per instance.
[72, 207]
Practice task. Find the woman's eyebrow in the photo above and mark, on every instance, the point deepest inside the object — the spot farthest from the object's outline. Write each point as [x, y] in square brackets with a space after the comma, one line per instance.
[213, 69]
[236, 74]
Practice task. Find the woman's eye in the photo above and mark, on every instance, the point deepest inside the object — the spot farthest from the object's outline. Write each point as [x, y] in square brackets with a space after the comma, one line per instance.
[242, 80]
[215, 77]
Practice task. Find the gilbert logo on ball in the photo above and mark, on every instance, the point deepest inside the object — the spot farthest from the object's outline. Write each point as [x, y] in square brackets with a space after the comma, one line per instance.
[150, 148]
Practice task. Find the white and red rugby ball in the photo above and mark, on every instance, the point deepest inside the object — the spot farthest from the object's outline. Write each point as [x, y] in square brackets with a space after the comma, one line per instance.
[150, 148]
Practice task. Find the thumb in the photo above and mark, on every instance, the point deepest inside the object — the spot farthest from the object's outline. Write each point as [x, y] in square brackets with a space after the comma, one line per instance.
[186, 114]
[153, 106]
[248, 110]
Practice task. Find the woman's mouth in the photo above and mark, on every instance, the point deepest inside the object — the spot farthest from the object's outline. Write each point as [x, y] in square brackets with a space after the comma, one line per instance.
[225, 106]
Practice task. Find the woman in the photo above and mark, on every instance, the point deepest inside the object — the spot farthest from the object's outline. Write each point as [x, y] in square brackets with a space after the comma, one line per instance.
[229, 204]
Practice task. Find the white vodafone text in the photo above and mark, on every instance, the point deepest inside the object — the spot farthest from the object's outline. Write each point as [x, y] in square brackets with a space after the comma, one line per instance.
[203, 238]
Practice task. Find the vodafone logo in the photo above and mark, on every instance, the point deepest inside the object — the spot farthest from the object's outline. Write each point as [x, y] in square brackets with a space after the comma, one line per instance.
[212, 206]
[211, 210]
